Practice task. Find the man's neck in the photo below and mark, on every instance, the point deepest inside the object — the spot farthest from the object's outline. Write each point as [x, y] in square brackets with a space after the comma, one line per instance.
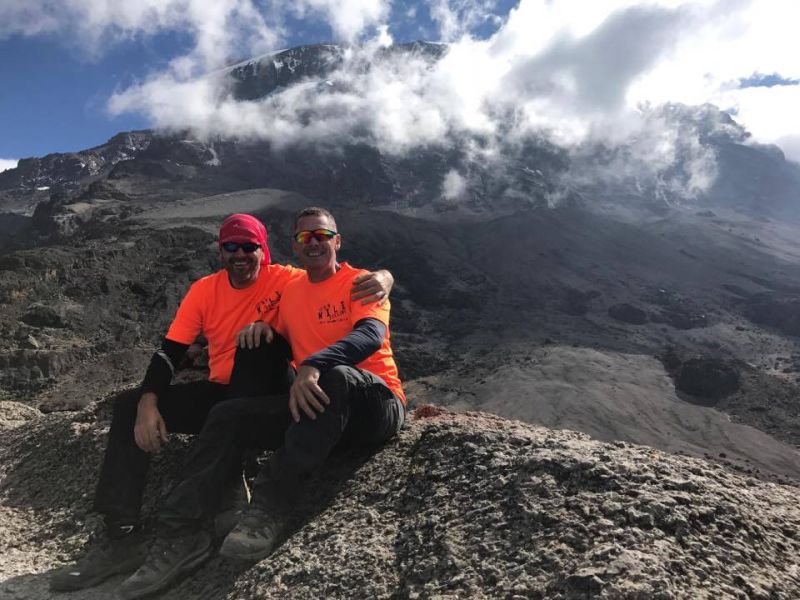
[319, 275]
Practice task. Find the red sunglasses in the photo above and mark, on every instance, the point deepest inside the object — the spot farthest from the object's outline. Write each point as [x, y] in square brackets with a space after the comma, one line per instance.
[321, 235]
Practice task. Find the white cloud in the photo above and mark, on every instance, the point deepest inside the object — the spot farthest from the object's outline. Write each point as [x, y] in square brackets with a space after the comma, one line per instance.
[550, 69]
[756, 37]
[348, 18]
[791, 146]
[566, 70]
[221, 30]
[454, 185]
[767, 112]
[457, 18]
[8, 163]
[572, 70]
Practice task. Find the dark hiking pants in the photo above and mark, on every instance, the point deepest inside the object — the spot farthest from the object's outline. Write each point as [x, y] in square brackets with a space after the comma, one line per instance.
[362, 411]
[185, 409]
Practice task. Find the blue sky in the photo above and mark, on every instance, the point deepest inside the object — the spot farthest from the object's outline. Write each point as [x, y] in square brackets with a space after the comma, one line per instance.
[53, 97]
[55, 90]
[76, 72]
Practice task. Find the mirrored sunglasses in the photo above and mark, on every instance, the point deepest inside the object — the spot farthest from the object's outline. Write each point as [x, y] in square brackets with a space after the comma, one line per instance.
[321, 235]
[247, 247]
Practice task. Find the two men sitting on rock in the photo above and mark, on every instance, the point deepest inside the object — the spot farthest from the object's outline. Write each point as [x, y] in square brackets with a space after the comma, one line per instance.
[247, 404]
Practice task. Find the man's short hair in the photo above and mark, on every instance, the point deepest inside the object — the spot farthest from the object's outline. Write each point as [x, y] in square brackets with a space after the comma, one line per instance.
[313, 211]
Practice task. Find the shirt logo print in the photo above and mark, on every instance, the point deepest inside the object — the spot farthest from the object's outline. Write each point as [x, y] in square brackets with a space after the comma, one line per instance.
[268, 304]
[331, 313]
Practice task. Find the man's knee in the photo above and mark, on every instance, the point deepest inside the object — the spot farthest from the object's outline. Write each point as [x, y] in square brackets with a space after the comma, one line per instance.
[338, 382]
[272, 351]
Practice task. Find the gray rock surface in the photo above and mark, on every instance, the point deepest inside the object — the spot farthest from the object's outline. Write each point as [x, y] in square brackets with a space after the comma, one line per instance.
[459, 506]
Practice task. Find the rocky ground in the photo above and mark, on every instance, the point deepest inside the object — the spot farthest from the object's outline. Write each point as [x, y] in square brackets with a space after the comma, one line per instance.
[674, 330]
[458, 506]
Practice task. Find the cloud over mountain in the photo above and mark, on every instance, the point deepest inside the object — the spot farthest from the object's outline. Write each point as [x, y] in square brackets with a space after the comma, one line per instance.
[573, 74]
[7, 163]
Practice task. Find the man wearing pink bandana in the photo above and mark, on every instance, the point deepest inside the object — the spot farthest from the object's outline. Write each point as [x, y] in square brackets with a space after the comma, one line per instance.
[248, 288]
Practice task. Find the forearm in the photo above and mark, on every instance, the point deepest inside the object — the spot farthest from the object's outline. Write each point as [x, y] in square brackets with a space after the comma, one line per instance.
[162, 367]
[355, 347]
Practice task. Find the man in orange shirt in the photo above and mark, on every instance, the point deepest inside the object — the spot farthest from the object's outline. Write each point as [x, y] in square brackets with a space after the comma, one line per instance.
[218, 306]
[346, 392]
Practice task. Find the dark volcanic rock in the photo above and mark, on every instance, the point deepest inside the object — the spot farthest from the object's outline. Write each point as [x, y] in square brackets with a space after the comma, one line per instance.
[112, 291]
[707, 378]
[32, 369]
[260, 77]
[12, 224]
[762, 400]
[459, 506]
[627, 313]
[780, 312]
[69, 170]
[41, 315]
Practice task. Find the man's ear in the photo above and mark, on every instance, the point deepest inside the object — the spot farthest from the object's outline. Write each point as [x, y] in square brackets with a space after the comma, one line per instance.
[338, 243]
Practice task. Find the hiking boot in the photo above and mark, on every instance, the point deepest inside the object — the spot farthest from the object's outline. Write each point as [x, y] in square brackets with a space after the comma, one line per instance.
[106, 558]
[233, 504]
[255, 537]
[168, 559]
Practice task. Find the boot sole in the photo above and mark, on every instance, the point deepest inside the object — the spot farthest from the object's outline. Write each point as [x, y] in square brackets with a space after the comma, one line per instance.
[229, 552]
[74, 586]
[179, 571]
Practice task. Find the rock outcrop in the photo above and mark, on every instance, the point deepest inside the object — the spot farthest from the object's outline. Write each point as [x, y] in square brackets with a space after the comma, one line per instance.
[458, 506]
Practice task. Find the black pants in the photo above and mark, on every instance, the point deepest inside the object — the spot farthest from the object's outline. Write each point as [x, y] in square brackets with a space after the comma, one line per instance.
[362, 411]
[185, 408]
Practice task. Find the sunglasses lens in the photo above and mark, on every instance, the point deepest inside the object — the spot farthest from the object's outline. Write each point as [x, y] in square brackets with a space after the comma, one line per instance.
[248, 247]
[303, 237]
[321, 235]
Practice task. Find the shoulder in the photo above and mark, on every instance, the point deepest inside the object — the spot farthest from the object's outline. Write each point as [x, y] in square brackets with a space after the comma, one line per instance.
[205, 284]
[282, 273]
[348, 272]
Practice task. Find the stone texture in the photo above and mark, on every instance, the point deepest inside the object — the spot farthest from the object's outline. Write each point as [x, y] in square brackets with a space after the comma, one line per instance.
[458, 506]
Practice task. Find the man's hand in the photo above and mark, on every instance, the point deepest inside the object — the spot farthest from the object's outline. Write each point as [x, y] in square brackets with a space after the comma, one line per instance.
[250, 336]
[150, 431]
[306, 395]
[372, 287]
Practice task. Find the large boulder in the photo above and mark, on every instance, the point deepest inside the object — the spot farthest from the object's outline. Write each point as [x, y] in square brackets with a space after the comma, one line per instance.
[778, 311]
[707, 378]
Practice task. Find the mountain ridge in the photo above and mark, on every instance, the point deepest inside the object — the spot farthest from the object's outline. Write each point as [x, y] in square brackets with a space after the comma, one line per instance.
[716, 164]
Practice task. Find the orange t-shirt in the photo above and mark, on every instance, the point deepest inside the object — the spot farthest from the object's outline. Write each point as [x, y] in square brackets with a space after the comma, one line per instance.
[313, 316]
[215, 308]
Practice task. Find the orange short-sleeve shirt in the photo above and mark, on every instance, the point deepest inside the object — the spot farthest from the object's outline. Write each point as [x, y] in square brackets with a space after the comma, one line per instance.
[313, 316]
[219, 311]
